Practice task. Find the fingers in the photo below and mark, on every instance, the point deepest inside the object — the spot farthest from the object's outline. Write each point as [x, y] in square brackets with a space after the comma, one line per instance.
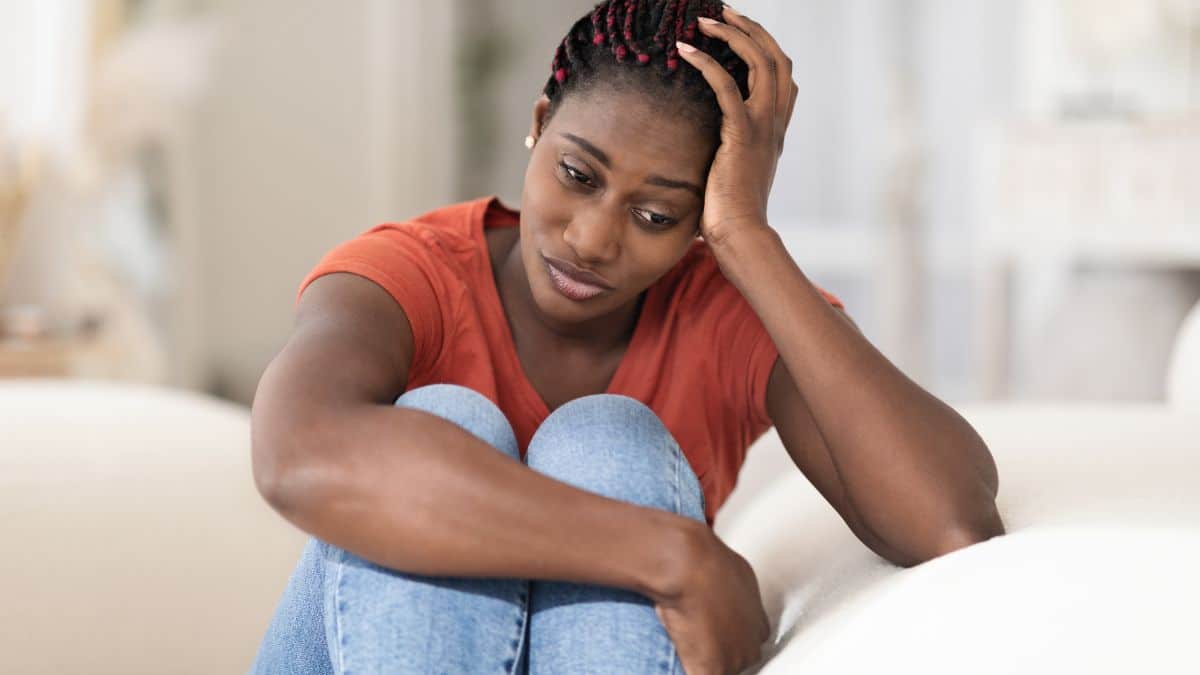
[767, 43]
[729, 97]
[762, 77]
[785, 85]
[773, 93]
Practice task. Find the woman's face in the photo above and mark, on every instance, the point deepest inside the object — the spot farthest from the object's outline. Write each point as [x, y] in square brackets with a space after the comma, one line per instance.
[615, 187]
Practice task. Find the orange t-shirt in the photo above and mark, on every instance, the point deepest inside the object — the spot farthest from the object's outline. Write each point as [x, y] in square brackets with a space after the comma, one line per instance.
[699, 356]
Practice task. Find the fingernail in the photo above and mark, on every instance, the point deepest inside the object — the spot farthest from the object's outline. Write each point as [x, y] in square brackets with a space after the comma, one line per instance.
[705, 19]
[684, 47]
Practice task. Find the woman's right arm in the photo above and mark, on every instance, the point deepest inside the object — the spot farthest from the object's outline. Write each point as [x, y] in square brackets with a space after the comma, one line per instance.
[413, 492]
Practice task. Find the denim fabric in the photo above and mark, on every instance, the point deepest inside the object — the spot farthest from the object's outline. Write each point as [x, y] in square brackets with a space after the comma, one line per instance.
[342, 614]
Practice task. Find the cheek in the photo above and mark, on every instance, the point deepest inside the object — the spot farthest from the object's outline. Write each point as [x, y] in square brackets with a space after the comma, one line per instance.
[543, 200]
[655, 255]
[535, 240]
[541, 179]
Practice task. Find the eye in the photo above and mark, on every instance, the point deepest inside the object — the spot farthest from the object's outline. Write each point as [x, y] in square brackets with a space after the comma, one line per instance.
[655, 219]
[575, 174]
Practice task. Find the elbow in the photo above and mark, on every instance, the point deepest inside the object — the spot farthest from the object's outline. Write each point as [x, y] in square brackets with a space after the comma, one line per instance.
[274, 475]
[293, 441]
[289, 480]
[270, 477]
[965, 530]
[985, 462]
[283, 466]
[990, 474]
[970, 533]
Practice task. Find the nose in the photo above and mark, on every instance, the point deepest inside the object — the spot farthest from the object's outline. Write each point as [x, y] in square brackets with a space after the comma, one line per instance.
[595, 238]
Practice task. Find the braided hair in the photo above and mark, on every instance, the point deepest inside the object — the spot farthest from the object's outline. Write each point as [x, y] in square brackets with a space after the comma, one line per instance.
[629, 45]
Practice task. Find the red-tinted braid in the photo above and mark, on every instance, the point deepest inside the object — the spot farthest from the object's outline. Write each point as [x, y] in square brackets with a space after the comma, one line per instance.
[679, 19]
[673, 23]
[610, 23]
[622, 12]
[665, 22]
[630, 8]
[597, 31]
[646, 30]
[560, 56]
[571, 53]
[634, 13]
[631, 15]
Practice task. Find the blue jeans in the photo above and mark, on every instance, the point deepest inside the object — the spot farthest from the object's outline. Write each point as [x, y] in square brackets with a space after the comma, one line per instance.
[343, 614]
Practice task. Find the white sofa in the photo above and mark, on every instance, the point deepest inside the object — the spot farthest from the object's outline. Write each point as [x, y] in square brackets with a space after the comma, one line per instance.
[134, 540]
[1097, 573]
[135, 543]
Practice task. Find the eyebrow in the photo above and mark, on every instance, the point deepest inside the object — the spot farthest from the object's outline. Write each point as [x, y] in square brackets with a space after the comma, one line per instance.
[653, 180]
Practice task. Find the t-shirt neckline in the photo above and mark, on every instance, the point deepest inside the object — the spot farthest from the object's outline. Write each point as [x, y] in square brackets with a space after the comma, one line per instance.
[533, 399]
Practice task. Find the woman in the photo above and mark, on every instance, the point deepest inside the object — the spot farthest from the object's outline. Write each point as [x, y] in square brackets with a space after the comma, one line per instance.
[508, 433]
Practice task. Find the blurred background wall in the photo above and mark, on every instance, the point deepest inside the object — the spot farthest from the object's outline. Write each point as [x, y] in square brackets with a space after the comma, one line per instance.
[1003, 192]
[321, 119]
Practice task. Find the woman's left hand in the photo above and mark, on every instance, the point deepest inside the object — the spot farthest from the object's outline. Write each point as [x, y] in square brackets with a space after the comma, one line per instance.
[740, 178]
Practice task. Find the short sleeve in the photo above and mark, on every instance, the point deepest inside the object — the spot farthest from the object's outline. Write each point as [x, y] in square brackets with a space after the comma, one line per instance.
[748, 355]
[404, 261]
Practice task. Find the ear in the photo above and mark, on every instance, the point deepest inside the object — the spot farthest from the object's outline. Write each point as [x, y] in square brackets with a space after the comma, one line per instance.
[540, 107]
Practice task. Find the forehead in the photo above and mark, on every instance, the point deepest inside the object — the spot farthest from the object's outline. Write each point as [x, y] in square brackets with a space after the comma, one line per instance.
[637, 132]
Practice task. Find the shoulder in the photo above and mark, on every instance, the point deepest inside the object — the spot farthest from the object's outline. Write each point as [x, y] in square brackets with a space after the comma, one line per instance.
[443, 245]
[419, 257]
[453, 227]
[459, 217]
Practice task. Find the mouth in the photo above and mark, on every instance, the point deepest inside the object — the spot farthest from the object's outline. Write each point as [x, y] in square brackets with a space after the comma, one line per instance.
[574, 283]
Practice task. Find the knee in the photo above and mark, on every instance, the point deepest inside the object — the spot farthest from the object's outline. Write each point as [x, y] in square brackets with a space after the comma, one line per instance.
[468, 409]
[617, 447]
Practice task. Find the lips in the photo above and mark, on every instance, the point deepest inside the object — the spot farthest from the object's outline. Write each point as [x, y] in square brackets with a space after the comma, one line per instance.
[573, 282]
[581, 275]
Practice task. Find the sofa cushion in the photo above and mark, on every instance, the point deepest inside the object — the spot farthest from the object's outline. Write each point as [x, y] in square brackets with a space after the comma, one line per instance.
[1094, 575]
[134, 538]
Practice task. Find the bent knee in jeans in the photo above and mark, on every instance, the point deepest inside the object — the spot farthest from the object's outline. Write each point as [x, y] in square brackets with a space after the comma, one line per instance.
[467, 408]
[617, 447]
[341, 613]
[607, 444]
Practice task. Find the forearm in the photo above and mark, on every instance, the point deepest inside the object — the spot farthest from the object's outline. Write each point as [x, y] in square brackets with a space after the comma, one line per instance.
[912, 467]
[416, 493]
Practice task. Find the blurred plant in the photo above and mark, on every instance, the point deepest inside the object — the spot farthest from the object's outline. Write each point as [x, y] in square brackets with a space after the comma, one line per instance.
[144, 84]
[94, 241]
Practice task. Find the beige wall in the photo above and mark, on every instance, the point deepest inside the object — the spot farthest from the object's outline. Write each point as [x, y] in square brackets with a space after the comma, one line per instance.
[532, 31]
[323, 119]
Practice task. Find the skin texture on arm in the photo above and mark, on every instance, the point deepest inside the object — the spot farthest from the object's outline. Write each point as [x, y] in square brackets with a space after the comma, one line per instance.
[810, 453]
[916, 480]
[413, 492]
[906, 472]
[808, 450]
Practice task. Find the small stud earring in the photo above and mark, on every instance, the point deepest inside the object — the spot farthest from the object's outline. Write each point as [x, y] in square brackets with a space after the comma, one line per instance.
[529, 142]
